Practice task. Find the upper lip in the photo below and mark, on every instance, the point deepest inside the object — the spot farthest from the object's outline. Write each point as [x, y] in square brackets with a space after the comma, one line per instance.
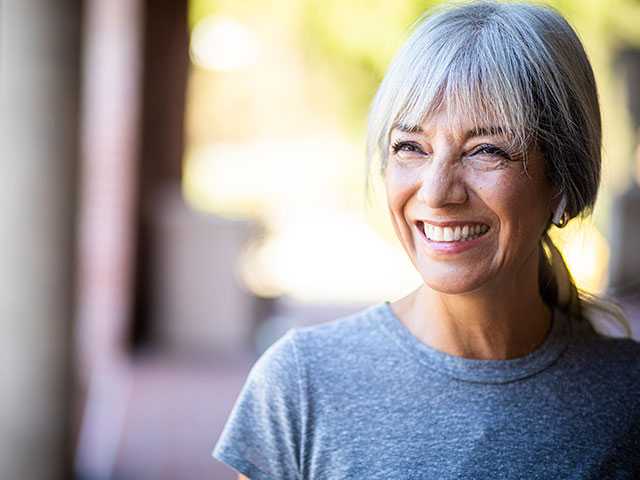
[451, 223]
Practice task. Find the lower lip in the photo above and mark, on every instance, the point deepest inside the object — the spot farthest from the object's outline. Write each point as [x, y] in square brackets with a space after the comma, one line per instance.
[451, 248]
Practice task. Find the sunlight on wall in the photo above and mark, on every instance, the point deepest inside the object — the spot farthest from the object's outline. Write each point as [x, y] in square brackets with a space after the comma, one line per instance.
[335, 256]
[264, 144]
[223, 44]
[268, 177]
[586, 252]
[314, 249]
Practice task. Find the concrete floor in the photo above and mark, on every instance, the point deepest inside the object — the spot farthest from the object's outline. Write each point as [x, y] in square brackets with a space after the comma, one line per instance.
[177, 405]
[176, 413]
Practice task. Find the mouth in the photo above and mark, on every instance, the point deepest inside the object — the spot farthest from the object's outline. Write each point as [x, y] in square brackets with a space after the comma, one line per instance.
[452, 233]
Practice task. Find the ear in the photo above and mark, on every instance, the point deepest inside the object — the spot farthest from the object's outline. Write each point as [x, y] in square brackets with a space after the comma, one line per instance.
[558, 198]
[560, 207]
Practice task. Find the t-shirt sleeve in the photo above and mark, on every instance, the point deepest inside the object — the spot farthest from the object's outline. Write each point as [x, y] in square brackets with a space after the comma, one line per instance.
[262, 436]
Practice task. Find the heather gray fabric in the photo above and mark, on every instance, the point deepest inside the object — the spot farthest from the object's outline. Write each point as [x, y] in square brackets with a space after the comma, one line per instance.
[362, 398]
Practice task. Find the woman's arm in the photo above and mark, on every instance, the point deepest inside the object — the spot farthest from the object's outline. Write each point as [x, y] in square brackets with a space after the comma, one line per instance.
[242, 477]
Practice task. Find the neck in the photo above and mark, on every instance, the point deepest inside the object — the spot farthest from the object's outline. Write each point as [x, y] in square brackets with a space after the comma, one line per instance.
[506, 321]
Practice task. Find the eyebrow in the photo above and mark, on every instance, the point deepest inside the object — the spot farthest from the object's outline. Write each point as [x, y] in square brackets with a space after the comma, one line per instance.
[474, 132]
[485, 132]
[407, 128]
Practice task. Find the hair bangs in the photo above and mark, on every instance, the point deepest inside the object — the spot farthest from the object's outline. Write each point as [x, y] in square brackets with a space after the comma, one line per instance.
[475, 90]
[481, 78]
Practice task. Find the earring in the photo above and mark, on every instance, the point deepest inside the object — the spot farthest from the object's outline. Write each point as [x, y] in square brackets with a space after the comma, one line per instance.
[561, 216]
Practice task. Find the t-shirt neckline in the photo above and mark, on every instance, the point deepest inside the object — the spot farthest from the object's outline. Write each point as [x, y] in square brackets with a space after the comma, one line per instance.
[475, 370]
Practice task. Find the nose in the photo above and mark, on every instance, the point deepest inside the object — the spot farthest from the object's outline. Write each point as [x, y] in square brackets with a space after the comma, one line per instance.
[442, 184]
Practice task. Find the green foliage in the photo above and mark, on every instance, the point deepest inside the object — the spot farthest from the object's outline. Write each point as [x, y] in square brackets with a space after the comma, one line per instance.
[355, 41]
[199, 9]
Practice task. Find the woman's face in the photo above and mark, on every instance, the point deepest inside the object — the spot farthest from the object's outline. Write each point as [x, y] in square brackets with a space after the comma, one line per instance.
[467, 212]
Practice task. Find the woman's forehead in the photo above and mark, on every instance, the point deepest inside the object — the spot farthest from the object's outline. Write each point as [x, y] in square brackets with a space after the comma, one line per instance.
[462, 130]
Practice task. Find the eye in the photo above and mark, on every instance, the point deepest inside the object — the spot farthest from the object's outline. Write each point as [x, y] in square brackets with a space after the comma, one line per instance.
[408, 147]
[489, 149]
[489, 156]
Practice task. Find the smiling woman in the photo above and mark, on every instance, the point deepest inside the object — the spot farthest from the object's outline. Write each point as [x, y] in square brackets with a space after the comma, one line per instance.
[487, 128]
[442, 182]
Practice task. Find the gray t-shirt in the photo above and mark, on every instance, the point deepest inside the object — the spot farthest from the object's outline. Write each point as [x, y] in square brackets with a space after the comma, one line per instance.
[362, 398]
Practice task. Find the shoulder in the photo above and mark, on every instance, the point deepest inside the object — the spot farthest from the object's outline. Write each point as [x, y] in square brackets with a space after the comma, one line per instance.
[606, 362]
[340, 337]
[266, 418]
[344, 327]
[277, 368]
[618, 357]
[301, 345]
[610, 349]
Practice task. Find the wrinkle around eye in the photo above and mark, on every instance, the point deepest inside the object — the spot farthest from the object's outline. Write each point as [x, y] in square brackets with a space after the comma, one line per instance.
[486, 162]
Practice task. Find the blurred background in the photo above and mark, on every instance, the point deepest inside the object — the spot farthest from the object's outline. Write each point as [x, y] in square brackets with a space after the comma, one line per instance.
[184, 180]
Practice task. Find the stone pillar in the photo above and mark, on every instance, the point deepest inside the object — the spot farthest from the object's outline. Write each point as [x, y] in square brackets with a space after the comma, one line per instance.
[112, 67]
[39, 85]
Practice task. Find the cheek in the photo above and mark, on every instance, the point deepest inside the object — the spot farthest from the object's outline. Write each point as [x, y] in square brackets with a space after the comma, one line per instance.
[520, 205]
[399, 188]
[500, 193]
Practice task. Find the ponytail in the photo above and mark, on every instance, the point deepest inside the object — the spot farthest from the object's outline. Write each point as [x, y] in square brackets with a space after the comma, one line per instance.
[559, 290]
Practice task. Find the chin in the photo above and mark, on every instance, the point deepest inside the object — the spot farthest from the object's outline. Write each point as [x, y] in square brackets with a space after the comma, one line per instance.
[453, 281]
[451, 287]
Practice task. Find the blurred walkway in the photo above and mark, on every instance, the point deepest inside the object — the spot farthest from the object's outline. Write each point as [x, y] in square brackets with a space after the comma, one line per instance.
[175, 415]
[179, 405]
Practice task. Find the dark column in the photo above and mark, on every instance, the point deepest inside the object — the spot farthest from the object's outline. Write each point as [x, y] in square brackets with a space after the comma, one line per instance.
[629, 63]
[166, 61]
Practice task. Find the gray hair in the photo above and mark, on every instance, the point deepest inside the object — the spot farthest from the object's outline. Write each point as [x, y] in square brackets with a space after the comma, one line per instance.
[520, 67]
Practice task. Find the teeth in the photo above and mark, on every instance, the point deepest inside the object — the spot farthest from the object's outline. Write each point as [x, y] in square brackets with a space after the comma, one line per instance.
[454, 234]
